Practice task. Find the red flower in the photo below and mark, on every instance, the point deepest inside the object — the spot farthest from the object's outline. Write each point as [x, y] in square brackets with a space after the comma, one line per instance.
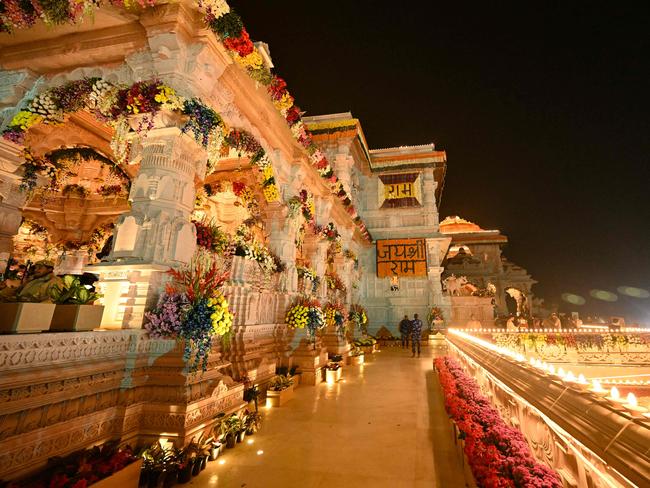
[238, 187]
[242, 45]
[277, 88]
[293, 115]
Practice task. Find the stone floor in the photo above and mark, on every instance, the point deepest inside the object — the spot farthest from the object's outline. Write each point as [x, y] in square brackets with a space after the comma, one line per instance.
[383, 425]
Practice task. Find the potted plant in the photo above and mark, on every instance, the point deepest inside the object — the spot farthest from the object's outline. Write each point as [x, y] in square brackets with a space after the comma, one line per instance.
[185, 466]
[356, 356]
[253, 422]
[158, 462]
[333, 372]
[26, 317]
[230, 428]
[74, 306]
[251, 395]
[280, 390]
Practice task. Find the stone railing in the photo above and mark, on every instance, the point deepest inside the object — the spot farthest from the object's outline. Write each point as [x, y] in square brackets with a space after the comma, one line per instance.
[60, 392]
[586, 439]
[575, 346]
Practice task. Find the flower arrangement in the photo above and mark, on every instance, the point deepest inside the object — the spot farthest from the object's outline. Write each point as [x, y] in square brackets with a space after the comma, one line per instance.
[365, 342]
[497, 453]
[335, 316]
[435, 314]
[227, 26]
[280, 382]
[305, 313]
[334, 282]
[210, 237]
[329, 232]
[306, 272]
[193, 309]
[75, 190]
[358, 317]
[247, 247]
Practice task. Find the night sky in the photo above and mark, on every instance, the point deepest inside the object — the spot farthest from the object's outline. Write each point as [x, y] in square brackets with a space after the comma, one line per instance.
[542, 108]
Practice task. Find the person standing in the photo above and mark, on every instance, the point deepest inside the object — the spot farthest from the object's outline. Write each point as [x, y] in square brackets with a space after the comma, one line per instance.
[404, 331]
[416, 334]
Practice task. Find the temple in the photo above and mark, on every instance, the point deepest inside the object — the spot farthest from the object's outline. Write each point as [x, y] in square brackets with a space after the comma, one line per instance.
[180, 248]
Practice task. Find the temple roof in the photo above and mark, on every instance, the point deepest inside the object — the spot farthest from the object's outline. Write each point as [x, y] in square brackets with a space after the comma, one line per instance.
[467, 232]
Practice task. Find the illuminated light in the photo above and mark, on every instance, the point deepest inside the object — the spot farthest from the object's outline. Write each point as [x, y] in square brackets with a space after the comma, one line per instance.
[260, 452]
[570, 377]
[634, 292]
[597, 387]
[561, 373]
[538, 364]
[614, 394]
[551, 369]
[581, 379]
[573, 299]
[545, 366]
[222, 461]
[250, 441]
[631, 400]
[605, 296]
[268, 403]
[532, 361]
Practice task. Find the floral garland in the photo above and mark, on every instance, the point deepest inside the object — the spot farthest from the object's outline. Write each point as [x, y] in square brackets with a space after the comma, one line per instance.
[229, 28]
[305, 313]
[193, 309]
[497, 453]
[310, 274]
[335, 316]
[334, 282]
[114, 104]
[245, 245]
[359, 317]
[210, 237]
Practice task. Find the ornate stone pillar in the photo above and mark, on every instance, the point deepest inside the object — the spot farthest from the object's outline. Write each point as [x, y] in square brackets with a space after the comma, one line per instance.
[157, 233]
[282, 239]
[11, 199]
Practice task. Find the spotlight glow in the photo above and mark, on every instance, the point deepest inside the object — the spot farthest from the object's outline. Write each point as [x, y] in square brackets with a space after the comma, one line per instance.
[222, 461]
[250, 441]
[605, 296]
[260, 452]
[573, 299]
[634, 292]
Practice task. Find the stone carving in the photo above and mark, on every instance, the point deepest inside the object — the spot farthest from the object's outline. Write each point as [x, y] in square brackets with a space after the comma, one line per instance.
[454, 285]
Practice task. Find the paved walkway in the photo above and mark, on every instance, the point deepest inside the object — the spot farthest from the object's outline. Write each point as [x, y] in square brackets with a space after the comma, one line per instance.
[383, 425]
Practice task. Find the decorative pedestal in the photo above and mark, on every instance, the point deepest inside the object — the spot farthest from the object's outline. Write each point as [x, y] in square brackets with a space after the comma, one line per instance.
[332, 376]
[310, 361]
[335, 344]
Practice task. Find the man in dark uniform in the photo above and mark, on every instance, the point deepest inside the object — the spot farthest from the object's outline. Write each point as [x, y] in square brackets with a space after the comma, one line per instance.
[416, 334]
[405, 330]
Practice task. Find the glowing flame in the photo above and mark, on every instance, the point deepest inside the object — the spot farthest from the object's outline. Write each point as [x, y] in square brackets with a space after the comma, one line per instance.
[631, 400]
[615, 394]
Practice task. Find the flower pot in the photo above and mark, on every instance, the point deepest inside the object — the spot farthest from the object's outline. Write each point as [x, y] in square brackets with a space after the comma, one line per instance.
[214, 453]
[171, 478]
[333, 375]
[203, 462]
[124, 478]
[231, 441]
[279, 398]
[77, 317]
[25, 317]
[185, 473]
[241, 436]
[196, 468]
[250, 431]
[154, 478]
[357, 359]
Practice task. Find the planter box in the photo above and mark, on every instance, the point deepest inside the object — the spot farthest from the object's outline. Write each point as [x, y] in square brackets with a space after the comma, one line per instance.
[357, 359]
[26, 317]
[296, 379]
[279, 398]
[332, 376]
[125, 478]
[368, 349]
[77, 317]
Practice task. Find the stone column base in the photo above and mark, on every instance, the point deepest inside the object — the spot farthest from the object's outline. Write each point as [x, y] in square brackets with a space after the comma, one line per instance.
[310, 361]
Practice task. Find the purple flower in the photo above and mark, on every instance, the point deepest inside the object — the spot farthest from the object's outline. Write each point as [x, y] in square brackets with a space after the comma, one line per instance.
[166, 320]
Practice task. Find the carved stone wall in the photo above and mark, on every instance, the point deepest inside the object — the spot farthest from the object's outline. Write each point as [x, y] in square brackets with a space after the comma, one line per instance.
[60, 392]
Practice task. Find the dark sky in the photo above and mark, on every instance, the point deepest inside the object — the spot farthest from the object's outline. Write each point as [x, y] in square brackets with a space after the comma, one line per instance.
[542, 108]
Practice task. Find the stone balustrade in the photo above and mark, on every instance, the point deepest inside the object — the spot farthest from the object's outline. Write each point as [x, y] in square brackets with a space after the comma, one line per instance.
[585, 438]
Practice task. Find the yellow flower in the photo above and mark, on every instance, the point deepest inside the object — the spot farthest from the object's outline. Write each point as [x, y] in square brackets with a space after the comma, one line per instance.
[252, 61]
[25, 119]
[267, 172]
[271, 193]
[285, 103]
